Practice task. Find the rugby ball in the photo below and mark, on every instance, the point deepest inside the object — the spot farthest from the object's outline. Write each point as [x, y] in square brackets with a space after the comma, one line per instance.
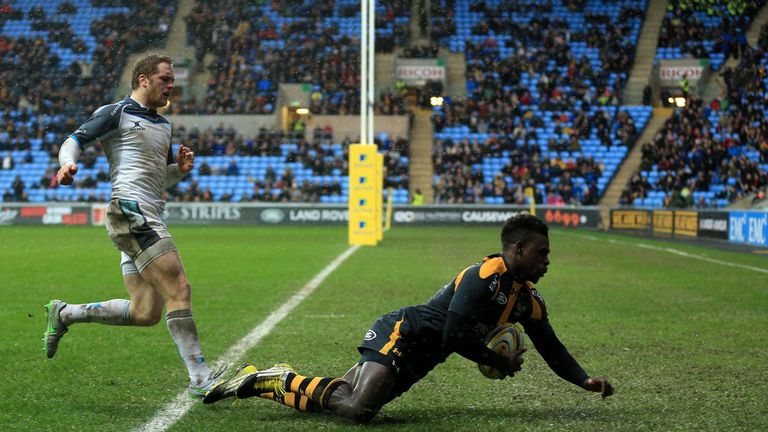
[505, 337]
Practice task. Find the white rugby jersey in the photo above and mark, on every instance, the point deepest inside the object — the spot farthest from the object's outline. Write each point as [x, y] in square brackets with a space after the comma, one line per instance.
[137, 143]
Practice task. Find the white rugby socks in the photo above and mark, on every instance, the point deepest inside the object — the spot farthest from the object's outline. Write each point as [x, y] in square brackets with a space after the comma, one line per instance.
[111, 312]
[182, 327]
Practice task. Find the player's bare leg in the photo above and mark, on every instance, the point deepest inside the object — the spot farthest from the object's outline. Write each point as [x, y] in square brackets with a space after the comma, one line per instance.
[146, 304]
[365, 389]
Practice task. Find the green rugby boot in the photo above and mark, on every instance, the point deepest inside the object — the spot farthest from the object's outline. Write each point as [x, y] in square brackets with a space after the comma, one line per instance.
[56, 327]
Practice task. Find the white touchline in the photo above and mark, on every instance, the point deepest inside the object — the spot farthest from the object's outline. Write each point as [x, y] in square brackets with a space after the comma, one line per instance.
[678, 252]
[703, 258]
[178, 407]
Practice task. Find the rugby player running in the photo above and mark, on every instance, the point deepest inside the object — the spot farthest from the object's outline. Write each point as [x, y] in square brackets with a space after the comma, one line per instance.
[137, 144]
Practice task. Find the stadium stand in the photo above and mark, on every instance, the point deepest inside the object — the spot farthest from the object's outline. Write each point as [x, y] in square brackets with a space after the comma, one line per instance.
[270, 167]
[709, 29]
[710, 155]
[275, 166]
[292, 42]
[259, 46]
[544, 106]
[35, 122]
[59, 61]
[544, 84]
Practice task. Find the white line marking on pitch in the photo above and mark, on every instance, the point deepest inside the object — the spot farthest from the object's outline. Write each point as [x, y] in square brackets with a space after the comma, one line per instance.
[677, 252]
[181, 404]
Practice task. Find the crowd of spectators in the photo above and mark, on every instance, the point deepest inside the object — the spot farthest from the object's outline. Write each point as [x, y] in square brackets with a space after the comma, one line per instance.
[545, 52]
[316, 155]
[321, 163]
[460, 178]
[700, 28]
[274, 188]
[502, 85]
[42, 97]
[422, 51]
[443, 14]
[256, 47]
[525, 76]
[720, 144]
[33, 78]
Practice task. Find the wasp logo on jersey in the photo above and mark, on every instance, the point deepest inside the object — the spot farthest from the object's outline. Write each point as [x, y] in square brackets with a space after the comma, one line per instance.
[502, 299]
[370, 335]
[137, 126]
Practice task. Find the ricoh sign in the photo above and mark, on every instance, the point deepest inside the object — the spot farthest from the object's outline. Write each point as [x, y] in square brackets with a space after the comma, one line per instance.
[420, 73]
[671, 71]
[676, 73]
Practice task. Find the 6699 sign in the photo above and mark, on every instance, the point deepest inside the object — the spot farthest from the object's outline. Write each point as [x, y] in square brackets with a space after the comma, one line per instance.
[570, 218]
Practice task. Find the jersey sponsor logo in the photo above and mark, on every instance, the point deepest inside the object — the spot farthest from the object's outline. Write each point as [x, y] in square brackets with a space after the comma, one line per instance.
[502, 299]
[494, 282]
[81, 131]
[137, 126]
[370, 335]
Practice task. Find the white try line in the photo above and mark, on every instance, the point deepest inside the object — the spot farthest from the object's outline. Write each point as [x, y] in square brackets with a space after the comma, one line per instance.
[181, 404]
[677, 252]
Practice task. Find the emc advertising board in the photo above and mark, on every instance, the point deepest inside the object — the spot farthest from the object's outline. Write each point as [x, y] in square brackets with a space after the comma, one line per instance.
[748, 227]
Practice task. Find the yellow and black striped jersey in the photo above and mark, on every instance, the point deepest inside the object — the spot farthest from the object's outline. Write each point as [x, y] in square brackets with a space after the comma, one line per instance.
[484, 295]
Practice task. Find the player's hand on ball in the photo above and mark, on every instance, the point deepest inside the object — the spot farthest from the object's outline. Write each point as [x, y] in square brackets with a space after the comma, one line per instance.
[185, 159]
[66, 174]
[515, 361]
[599, 384]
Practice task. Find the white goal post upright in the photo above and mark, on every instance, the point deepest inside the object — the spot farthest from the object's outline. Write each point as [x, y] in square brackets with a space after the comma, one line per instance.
[371, 69]
[367, 69]
[364, 72]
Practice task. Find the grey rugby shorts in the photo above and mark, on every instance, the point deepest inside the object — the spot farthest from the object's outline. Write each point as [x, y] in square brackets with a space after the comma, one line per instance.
[139, 232]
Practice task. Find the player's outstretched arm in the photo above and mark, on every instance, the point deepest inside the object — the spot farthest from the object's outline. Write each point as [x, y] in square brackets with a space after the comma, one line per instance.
[600, 385]
[68, 155]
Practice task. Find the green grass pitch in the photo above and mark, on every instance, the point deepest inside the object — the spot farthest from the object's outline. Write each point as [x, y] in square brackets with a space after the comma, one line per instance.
[684, 339]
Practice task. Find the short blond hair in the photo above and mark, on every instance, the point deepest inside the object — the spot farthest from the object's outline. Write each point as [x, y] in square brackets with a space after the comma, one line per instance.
[147, 65]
